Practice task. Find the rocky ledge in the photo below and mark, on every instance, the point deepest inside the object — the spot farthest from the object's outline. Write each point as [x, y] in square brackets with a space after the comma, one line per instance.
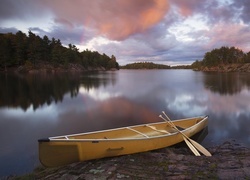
[42, 67]
[244, 67]
[230, 160]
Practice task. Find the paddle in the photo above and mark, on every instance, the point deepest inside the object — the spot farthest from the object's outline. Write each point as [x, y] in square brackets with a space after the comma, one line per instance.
[187, 142]
[194, 143]
[191, 147]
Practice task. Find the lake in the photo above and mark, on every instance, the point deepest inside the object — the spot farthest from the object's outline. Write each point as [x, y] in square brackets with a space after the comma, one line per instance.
[39, 106]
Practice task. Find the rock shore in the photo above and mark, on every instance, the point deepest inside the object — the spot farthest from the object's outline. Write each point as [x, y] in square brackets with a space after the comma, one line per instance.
[245, 67]
[42, 67]
[230, 160]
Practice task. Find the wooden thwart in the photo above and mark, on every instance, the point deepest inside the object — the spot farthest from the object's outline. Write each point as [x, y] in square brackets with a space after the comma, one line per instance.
[158, 130]
[137, 132]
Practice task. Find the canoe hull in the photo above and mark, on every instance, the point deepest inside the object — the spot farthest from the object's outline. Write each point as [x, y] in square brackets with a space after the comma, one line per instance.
[58, 152]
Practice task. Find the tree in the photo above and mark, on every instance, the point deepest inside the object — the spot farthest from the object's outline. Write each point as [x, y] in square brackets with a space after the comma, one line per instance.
[224, 55]
[5, 51]
[113, 58]
[45, 48]
[35, 52]
[247, 57]
[20, 48]
[196, 65]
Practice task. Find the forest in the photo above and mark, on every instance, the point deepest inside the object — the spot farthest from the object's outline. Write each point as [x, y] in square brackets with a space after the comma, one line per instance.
[222, 56]
[145, 65]
[20, 49]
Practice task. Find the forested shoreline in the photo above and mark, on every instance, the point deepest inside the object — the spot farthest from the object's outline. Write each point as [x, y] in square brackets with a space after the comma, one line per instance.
[30, 52]
[223, 59]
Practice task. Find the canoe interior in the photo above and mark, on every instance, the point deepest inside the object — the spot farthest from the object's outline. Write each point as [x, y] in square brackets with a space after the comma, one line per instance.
[139, 131]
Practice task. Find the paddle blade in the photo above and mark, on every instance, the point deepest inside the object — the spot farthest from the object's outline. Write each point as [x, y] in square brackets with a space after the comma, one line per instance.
[191, 147]
[200, 148]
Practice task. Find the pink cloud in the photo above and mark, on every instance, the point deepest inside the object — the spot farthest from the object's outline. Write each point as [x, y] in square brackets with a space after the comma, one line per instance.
[223, 34]
[186, 8]
[115, 19]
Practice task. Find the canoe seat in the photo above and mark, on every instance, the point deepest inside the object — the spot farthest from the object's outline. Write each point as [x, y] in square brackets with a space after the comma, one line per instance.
[180, 128]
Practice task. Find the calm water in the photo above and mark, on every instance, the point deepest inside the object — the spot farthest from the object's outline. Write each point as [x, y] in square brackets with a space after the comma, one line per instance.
[38, 106]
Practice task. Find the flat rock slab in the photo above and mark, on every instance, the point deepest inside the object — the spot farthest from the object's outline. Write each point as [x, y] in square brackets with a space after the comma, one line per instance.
[229, 161]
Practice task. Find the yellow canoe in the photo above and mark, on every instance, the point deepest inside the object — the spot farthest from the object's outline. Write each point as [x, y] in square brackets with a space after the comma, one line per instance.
[63, 150]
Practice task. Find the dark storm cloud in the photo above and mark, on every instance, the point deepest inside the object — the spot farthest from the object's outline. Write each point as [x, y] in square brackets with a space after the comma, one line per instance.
[66, 35]
[243, 6]
[21, 9]
[8, 30]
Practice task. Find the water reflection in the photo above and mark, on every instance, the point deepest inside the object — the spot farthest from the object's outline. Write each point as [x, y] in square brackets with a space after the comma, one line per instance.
[36, 90]
[74, 103]
[35, 106]
[226, 83]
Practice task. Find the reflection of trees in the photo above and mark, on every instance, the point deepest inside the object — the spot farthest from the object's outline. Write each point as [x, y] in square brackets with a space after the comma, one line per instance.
[95, 80]
[226, 83]
[39, 89]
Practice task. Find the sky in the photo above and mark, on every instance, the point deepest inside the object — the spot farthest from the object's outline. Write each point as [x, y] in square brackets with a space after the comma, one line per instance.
[171, 32]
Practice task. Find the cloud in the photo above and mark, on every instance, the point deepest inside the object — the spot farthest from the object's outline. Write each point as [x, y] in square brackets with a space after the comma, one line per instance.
[187, 8]
[166, 31]
[151, 45]
[76, 35]
[117, 20]
[8, 30]
[22, 9]
[243, 7]
[234, 35]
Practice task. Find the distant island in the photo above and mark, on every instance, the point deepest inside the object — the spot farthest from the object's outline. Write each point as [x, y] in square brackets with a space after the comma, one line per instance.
[22, 53]
[151, 65]
[145, 65]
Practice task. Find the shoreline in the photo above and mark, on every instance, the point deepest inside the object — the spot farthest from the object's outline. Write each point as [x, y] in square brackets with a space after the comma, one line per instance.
[230, 160]
[244, 67]
[49, 68]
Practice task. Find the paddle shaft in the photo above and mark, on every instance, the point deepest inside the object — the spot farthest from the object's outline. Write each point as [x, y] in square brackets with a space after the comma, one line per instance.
[185, 139]
[196, 144]
[173, 125]
[189, 144]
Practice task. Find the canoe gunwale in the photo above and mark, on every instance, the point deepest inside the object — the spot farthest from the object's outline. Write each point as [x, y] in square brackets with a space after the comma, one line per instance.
[67, 137]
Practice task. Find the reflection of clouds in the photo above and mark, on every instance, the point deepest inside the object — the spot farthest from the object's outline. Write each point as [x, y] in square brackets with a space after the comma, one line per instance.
[97, 94]
[224, 126]
[41, 112]
[187, 103]
[236, 104]
[229, 117]
[111, 113]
